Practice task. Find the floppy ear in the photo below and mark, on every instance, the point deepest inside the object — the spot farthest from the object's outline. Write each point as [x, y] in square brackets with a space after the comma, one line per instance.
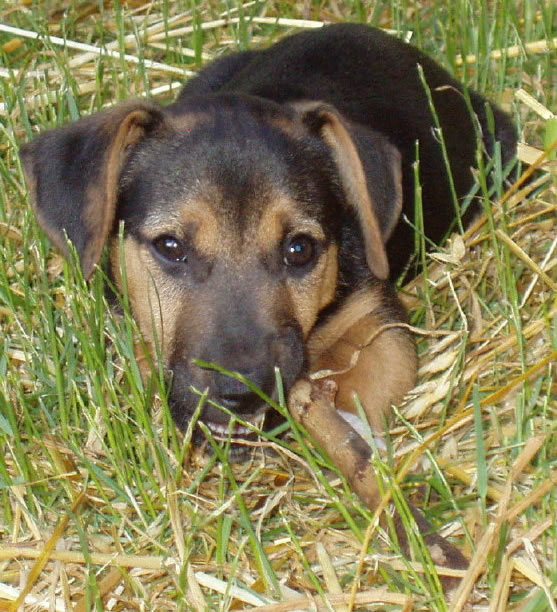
[73, 173]
[369, 169]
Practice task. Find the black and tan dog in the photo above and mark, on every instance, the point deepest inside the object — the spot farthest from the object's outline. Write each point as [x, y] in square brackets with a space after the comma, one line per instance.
[262, 211]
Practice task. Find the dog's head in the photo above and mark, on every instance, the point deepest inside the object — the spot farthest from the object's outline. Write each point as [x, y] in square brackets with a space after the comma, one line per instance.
[245, 223]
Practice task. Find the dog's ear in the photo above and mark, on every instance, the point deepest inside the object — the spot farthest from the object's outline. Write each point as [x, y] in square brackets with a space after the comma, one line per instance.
[369, 168]
[73, 173]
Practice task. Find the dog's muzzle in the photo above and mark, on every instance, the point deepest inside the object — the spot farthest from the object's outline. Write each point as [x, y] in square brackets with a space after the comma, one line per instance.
[227, 396]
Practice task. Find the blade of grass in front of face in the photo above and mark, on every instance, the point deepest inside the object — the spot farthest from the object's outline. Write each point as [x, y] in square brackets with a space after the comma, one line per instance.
[126, 340]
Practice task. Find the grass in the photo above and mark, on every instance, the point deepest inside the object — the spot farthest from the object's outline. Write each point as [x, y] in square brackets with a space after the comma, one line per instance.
[103, 505]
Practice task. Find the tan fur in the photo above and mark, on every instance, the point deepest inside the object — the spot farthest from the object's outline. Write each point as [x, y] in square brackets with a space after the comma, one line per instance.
[328, 285]
[102, 196]
[310, 294]
[354, 182]
[316, 290]
[156, 304]
[293, 128]
[196, 215]
[280, 213]
[377, 366]
[178, 316]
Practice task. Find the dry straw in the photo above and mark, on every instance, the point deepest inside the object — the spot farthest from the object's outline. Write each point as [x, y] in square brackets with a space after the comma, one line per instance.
[468, 345]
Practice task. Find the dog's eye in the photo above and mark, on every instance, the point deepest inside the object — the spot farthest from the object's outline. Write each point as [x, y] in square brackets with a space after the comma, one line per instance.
[170, 248]
[299, 251]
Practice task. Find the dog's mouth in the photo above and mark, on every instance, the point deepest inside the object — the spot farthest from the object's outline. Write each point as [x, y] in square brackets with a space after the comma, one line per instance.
[238, 438]
[236, 412]
[236, 430]
[241, 433]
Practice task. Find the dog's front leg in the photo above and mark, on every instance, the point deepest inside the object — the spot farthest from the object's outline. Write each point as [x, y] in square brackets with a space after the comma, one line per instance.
[367, 350]
[312, 403]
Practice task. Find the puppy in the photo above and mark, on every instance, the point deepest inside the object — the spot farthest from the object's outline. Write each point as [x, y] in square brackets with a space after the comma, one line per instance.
[262, 212]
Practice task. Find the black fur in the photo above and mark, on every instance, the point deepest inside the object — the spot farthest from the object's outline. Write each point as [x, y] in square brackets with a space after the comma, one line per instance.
[294, 120]
[372, 79]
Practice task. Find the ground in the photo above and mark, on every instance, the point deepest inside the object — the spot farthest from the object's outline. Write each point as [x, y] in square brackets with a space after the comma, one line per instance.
[103, 505]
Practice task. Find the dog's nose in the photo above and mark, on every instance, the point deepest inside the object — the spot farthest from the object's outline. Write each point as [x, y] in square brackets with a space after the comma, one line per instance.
[237, 396]
[240, 403]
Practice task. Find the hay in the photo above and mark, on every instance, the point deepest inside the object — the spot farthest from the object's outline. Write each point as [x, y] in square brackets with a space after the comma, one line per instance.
[281, 532]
